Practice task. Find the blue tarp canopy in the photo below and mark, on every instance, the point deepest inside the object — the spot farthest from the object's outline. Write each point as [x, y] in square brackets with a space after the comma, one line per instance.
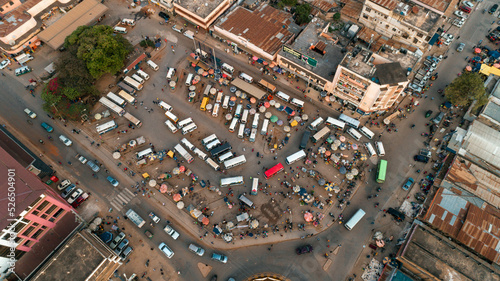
[494, 54]
[434, 39]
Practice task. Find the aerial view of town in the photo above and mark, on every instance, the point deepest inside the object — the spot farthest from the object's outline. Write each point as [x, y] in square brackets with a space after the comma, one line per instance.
[250, 140]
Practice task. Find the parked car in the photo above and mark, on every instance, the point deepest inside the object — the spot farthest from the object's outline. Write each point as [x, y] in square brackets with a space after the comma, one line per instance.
[65, 140]
[459, 14]
[408, 183]
[203, 184]
[47, 127]
[93, 166]
[438, 118]
[126, 253]
[30, 113]
[80, 158]
[68, 191]
[428, 113]
[170, 231]
[4, 64]
[80, 200]
[460, 47]
[117, 240]
[166, 250]
[304, 249]
[63, 184]
[164, 16]
[121, 246]
[219, 257]
[399, 216]
[493, 9]
[420, 158]
[148, 234]
[468, 4]
[465, 9]
[175, 28]
[112, 181]
[154, 217]
[74, 195]
[425, 152]
[196, 249]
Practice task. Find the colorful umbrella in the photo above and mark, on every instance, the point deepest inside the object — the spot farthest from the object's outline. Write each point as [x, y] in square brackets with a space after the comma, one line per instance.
[354, 146]
[233, 98]
[280, 123]
[305, 117]
[329, 187]
[229, 116]
[468, 68]
[182, 169]
[272, 102]
[477, 50]
[274, 119]
[177, 197]
[268, 115]
[253, 100]
[205, 221]
[204, 74]
[308, 216]
[342, 138]
[253, 111]
[180, 205]
[163, 188]
[262, 109]
[211, 71]
[255, 58]
[267, 105]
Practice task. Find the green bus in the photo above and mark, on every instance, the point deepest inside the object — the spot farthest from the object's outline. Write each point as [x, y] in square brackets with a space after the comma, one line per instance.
[381, 171]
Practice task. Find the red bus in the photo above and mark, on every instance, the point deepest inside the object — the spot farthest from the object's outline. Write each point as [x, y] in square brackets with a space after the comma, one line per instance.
[273, 171]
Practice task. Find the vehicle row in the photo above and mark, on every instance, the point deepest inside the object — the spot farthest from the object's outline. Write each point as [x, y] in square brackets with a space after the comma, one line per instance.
[73, 195]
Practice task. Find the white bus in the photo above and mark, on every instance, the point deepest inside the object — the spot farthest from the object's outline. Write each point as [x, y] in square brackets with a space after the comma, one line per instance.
[236, 161]
[184, 122]
[241, 130]
[380, 148]
[349, 120]
[237, 112]
[233, 124]
[188, 144]
[247, 78]
[265, 124]
[295, 157]
[131, 118]
[370, 149]
[132, 83]
[255, 123]
[206, 92]
[189, 79]
[212, 164]
[116, 99]
[183, 153]
[320, 134]
[171, 126]
[111, 105]
[165, 106]
[208, 139]
[118, 29]
[255, 186]
[220, 95]
[225, 156]
[244, 117]
[355, 219]
[143, 74]
[355, 134]
[225, 104]
[330, 121]
[106, 127]
[283, 96]
[200, 154]
[227, 67]
[231, 181]
[138, 78]
[297, 102]
[144, 153]
[171, 116]
[367, 132]
[212, 144]
[314, 125]
[130, 99]
[253, 134]
[189, 128]
[215, 111]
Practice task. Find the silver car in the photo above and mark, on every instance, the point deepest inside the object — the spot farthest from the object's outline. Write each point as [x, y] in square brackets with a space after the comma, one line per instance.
[460, 47]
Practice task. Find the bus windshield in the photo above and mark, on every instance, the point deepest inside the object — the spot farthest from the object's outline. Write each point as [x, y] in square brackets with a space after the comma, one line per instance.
[382, 170]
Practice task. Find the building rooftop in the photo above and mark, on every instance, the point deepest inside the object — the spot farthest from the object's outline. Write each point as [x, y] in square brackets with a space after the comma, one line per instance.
[388, 4]
[352, 9]
[202, 8]
[390, 73]
[266, 27]
[312, 42]
[428, 250]
[447, 211]
[323, 6]
[418, 16]
[482, 145]
[491, 111]
[439, 5]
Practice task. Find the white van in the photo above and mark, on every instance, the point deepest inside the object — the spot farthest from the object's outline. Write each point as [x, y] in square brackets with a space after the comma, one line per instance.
[241, 130]
[200, 154]
[314, 125]
[253, 134]
[226, 102]
[219, 97]
[165, 106]
[227, 68]
[365, 131]
[265, 124]
[130, 22]
[170, 73]
[380, 148]
[297, 102]
[144, 153]
[189, 128]
[184, 122]
[188, 144]
[118, 29]
[189, 79]
[152, 65]
[244, 117]
[137, 78]
[370, 149]
[255, 123]
[283, 96]
[171, 116]
[171, 126]
[215, 111]
[355, 134]
[233, 124]
[255, 186]
[143, 74]
[247, 78]
[355, 219]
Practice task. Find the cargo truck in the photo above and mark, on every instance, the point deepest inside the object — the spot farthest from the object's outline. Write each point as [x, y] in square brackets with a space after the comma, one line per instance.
[135, 218]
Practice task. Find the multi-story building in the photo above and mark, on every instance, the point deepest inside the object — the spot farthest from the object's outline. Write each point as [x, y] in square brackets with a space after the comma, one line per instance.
[198, 12]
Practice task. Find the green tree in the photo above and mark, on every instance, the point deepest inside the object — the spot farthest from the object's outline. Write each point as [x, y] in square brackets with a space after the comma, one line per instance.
[336, 16]
[467, 88]
[302, 13]
[99, 48]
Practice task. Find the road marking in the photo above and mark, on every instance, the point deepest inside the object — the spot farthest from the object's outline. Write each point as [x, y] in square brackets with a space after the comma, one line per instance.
[122, 199]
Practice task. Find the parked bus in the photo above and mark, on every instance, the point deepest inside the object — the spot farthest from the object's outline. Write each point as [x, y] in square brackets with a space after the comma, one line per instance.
[265, 124]
[212, 145]
[244, 117]
[212, 164]
[297, 102]
[237, 112]
[255, 186]
[184, 122]
[118, 29]
[220, 95]
[208, 139]
[247, 78]
[106, 127]
[144, 153]
[241, 131]
[355, 134]
[116, 99]
[111, 105]
[215, 111]
[143, 74]
[370, 149]
[171, 116]
[236, 161]
[355, 219]
[225, 156]
[233, 124]
[225, 104]
[253, 135]
[274, 170]
[231, 181]
[255, 123]
[206, 92]
[367, 132]
[283, 96]
[381, 170]
[200, 154]
[266, 85]
[380, 148]
[349, 121]
[171, 126]
[204, 103]
[314, 125]
[130, 99]
[138, 78]
[188, 144]
[189, 128]
[126, 88]
[132, 83]
[220, 149]
[319, 135]
[227, 67]
[305, 139]
[337, 124]
[131, 118]
[165, 106]
[295, 157]
[183, 153]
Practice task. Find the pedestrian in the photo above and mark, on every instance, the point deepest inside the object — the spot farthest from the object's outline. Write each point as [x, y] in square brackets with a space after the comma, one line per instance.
[154, 85]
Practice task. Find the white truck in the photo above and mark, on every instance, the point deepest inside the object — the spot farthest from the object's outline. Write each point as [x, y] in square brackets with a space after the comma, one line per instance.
[135, 218]
[189, 34]
[24, 58]
[189, 158]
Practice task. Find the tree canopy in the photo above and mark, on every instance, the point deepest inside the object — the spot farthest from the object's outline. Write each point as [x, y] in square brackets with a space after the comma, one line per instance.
[467, 88]
[302, 13]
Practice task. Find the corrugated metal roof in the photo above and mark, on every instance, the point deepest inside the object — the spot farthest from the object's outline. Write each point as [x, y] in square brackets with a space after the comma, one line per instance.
[439, 5]
[323, 5]
[352, 9]
[447, 212]
[388, 4]
[483, 142]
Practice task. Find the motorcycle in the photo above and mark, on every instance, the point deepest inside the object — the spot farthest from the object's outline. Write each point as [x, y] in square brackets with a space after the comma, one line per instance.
[147, 263]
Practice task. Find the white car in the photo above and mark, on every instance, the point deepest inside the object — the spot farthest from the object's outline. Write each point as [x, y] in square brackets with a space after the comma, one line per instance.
[459, 14]
[63, 184]
[468, 4]
[448, 36]
[30, 113]
[74, 195]
[65, 140]
[170, 231]
[4, 64]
